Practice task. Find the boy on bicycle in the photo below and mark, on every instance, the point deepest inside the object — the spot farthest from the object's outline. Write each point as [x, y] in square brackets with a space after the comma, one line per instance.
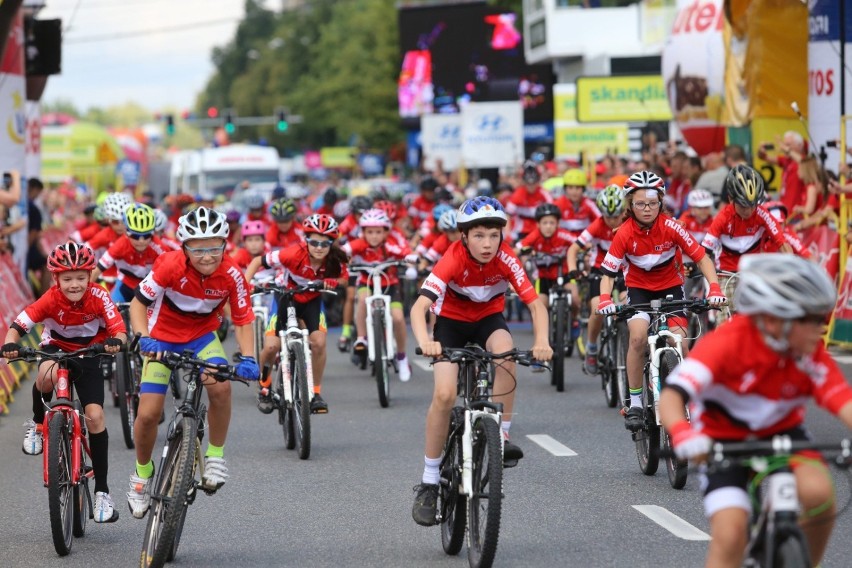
[76, 314]
[178, 307]
[750, 379]
[466, 291]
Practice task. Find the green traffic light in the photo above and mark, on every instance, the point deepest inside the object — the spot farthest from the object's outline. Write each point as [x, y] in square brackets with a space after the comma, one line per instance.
[230, 128]
[283, 126]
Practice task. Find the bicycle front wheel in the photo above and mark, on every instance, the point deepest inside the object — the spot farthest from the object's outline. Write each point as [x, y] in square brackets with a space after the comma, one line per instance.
[123, 378]
[648, 438]
[791, 553]
[380, 367]
[485, 501]
[60, 492]
[285, 410]
[301, 404]
[622, 344]
[451, 504]
[676, 469]
[559, 345]
[608, 368]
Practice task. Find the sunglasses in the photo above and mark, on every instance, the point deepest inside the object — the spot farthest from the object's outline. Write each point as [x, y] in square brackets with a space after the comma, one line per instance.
[140, 236]
[202, 252]
[815, 319]
[318, 244]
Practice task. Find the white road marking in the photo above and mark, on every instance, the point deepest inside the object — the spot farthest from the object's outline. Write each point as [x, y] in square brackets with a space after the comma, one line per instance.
[551, 445]
[422, 363]
[845, 359]
[671, 522]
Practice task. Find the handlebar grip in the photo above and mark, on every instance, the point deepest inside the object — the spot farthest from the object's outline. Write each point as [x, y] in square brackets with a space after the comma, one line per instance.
[24, 352]
[96, 347]
[418, 351]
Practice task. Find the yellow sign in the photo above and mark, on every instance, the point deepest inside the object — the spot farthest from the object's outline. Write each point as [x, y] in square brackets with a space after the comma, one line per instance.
[338, 157]
[595, 140]
[768, 131]
[622, 99]
[564, 103]
[105, 154]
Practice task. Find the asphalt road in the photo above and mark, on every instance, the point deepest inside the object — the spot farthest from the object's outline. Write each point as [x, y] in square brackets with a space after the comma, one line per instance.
[350, 503]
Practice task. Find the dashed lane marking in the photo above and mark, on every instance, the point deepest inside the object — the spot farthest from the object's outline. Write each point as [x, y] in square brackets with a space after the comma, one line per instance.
[671, 522]
[551, 445]
[422, 363]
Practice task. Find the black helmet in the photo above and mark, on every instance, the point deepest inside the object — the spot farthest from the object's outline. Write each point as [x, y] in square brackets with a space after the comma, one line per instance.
[745, 186]
[428, 183]
[546, 209]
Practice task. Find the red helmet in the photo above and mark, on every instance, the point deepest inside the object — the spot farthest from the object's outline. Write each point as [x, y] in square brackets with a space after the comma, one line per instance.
[388, 207]
[321, 224]
[71, 256]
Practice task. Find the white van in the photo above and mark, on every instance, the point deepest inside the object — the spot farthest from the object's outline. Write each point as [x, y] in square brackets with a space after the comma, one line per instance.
[218, 171]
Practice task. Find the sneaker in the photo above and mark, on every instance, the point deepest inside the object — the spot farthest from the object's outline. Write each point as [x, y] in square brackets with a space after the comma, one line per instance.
[318, 405]
[511, 452]
[33, 438]
[404, 369]
[104, 509]
[592, 363]
[344, 343]
[537, 368]
[138, 498]
[359, 353]
[264, 401]
[634, 418]
[425, 510]
[215, 474]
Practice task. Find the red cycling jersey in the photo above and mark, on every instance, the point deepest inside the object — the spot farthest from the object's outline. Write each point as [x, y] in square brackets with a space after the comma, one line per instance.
[243, 257]
[521, 207]
[102, 240]
[167, 244]
[576, 218]
[277, 239]
[426, 242]
[438, 248]
[555, 246]
[736, 236]
[375, 255]
[132, 265]
[349, 228]
[296, 270]
[462, 289]
[71, 326]
[599, 237]
[183, 305]
[420, 210]
[698, 229]
[651, 258]
[739, 387]
[792, 239]
[86, 233]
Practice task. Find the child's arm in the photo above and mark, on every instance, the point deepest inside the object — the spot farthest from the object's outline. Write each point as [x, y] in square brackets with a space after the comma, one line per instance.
[541, 345]
[253, 267]
[10, 344]
[418, 327]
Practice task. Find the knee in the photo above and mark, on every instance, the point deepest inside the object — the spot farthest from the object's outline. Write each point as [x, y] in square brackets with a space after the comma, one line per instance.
[730, 536]
[95, 417]
[817, 497]
[317, 341]
[444, 398]
[219, 394]
[269, 350]
[638, 343]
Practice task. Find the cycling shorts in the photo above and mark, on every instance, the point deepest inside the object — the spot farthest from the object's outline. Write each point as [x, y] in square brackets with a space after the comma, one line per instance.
[454, 333]
[85, 375]
[121, 292]
[311, 313]
[155, 375]
[392, 291]
[543, 285]
[676, 318]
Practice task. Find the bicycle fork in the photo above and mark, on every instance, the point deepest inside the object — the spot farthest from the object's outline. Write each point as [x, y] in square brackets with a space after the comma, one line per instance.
[467, 446]
[371, 341]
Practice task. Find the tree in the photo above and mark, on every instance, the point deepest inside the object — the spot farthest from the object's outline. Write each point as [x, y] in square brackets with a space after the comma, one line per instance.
[60, 106]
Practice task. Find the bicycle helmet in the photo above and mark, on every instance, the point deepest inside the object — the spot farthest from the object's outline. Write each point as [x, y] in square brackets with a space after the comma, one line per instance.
[484, 188]
[233, 216]
[699, 198]
[330, 196]
[161, 220]
[440, 209]
[253, 228]
[139, 218]
[114, 205]
[98, 214]
[610, 201]
[783, 285]
[546, 209]
[71, 256]
[254, 201]
[375, 218]
[321, 224]
[531, 173]
[575, 178]
[644, 180]
[360, 203]
[202, 223]
[777, 210]
[428, 183]
[448, 220]
[481, 211]
[283, 210]
[388, 207]
[745, 186]
[341, 209]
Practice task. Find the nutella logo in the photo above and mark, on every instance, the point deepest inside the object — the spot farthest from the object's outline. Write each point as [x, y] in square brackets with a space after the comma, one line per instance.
[700, 17]
[240, 281]
[215, 293]
[678, 228]
[147, 290]
[512, 263]
[102, 295]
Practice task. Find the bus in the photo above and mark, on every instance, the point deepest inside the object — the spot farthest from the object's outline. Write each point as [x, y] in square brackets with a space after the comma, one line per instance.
[218, 171]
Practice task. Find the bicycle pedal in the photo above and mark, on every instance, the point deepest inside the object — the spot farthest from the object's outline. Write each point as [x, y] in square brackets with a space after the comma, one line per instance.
[192, 493]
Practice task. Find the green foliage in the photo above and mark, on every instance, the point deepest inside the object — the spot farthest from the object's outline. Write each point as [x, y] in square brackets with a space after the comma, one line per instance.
[61, 106]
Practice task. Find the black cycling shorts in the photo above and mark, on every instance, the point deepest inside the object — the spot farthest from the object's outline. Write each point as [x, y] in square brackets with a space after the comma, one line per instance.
[642, 296]
[454, 333]
[312, 313]
[85, 374]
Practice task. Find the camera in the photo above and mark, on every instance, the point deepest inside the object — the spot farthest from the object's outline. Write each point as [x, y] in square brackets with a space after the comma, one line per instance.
[7, 181]
[769, 146]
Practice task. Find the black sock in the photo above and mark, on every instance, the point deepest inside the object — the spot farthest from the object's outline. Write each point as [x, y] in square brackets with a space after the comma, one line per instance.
[265, 375]
[38, 404]
[99, 445]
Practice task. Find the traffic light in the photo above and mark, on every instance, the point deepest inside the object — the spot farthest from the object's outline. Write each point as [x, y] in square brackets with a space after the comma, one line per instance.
[212, 112]
[170, 124]
[230, 127]
[281, 120]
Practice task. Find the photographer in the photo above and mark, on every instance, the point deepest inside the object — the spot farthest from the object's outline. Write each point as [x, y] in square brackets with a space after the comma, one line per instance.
[792, 146]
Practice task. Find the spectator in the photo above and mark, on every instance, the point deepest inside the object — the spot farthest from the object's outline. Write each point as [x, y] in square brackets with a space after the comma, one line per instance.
[816, 187]
[715, 171]
[10, 196]
[734, 156]
[678, 185]
[36, 256]
[792, 146]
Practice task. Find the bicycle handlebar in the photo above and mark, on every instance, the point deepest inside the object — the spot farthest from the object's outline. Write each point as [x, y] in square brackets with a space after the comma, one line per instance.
[220, 372]
[458, 354]
[380, 267]
[699, 305]
[29, 354]
[724, 455]
[312, 286]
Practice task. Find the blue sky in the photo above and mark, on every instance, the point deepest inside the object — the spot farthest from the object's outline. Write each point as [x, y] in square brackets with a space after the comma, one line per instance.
[157, 70]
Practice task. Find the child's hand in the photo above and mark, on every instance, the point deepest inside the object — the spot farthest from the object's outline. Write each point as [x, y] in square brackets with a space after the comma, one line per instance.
[542, 352]
[112, 345]
[10, 350]
[431, 348]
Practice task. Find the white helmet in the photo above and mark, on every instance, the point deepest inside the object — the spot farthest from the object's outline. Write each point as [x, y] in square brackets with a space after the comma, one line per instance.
[202, 223]
[447, 220]
[783, 285]
[161, 220]
[700, 198]
[481, 210]
[114, 206]
[375, 218]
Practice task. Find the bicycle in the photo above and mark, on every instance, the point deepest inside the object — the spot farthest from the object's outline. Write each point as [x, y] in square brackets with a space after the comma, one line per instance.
[612, 361]
[127, 375]
[381, 345]
[66, 450]
[175, 485]
[472, 463]
[664, 354]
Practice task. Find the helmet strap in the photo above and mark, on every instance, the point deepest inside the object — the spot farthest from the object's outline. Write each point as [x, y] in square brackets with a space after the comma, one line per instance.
[779, 345]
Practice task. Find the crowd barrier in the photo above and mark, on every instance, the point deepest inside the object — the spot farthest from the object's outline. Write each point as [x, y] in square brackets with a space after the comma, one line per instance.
[16, 296]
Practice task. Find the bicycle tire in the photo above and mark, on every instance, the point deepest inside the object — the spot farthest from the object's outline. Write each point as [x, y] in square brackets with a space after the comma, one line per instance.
[607, 367]
[485, 501]
[558, 362]
[791, 552]
[551, 329]
[59, 489]
[81, 507]
[196, 464]
[380, 368]
[622, 345]
[125, 402]
[301, 404]
[648, 438]
[173, 484]
[676, 469]
[285, 410]
[258, 327]
[451, 504]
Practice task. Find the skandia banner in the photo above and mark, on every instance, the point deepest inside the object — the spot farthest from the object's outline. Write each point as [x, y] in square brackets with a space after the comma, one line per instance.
[622, 99]
[441, 139]
[492, 134]
[824, 76]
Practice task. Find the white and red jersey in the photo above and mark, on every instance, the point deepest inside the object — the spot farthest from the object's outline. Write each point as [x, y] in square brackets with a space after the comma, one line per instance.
[739, 387]
[521, 207]
[183, 305]
[294, 262]
[698, 229]
[102, 240]
[599, 237]
[243, 257]
[792, 239]
[731, 236]
[555, 247]
[438, 248]
[376, 255]
[420, 210]
[576, 218]
[132, 265]
[166, 243]
[462, 289]
[349, 228]
[277, 239]
[651, 258]
[85, 233]
[71, 326]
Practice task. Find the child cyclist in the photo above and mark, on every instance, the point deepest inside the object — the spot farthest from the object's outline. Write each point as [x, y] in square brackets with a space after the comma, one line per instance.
[76, 314]
[176, 308]
[648, 248]
[351, 230]
[750, 379]
[317, 258]
[597, 239]
[284, 232]
[254, 243]
[466, 291]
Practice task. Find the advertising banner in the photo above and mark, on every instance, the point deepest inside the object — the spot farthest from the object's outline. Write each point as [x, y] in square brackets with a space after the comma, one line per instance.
[637, 98]
[824, 76]
[13, 119]
[32, 164]
[595, 140]
[338, 156]
[492, 135]
[441, 137]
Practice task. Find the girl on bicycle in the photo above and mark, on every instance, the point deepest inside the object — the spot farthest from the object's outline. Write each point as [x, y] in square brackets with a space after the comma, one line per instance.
[317, 258]
[750, 379]
[76, 313]
[466, 291]
[254, 243]
[648, 248]
[284, 231]
[351, 230]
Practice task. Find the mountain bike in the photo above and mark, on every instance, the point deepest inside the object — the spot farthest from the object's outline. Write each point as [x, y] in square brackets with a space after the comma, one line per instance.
[128, 377]
[612, 358]
[664, 354]
[381, 345]
[66, 450]
[470, 491]
[181, 466]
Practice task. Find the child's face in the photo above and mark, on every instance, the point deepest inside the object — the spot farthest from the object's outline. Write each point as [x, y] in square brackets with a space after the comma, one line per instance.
[73, 284]
[574, 193]
[454, 235]
[318, 246]
[483, 242]
[375, 236]
[140, 242]
[254, 244]
[744, 212]
[613, 222]
[205, 255]
[118, 226]
[547, 226]
[646, 206]
[700, 213]
[284, 226]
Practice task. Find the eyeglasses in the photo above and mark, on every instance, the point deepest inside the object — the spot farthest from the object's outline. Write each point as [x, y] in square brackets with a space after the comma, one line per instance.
[815, 319]
[318, 244]
[140, 236]
[202, 252]
[646, 204]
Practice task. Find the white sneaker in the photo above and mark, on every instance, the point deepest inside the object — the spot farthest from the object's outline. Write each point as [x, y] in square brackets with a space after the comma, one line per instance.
[138, 498]
[104, 509]
[215, 474]
[404, 369]
[33, 439]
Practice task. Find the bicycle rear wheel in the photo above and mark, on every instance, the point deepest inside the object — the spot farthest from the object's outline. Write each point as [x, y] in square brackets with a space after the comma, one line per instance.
[792, 552]
[380, 367]
[622, 344]
[81, 506]
[285, 409]
[125, 402]
[607, 366]
[60, 492]
[301, 404]
[485, 501]
[559, 339]
[648, 438]
[676, 469]
[451, 504]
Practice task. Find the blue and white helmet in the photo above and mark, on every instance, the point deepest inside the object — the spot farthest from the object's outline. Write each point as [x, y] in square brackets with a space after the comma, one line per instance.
[440, 209]
[448, 221]
[481, 211]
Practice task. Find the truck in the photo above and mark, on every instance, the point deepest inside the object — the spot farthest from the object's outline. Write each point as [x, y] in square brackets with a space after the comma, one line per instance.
[218, 171]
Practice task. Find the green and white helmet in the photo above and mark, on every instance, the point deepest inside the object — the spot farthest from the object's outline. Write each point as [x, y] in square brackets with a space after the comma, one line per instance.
[610, 201]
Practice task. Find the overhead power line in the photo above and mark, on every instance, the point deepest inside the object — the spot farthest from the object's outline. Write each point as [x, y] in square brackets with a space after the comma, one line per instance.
[139, 33]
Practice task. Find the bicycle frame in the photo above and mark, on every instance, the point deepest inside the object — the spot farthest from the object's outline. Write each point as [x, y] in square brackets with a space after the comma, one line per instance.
[293, 338]
[66, 406]
[656, 353]
[378, 299]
